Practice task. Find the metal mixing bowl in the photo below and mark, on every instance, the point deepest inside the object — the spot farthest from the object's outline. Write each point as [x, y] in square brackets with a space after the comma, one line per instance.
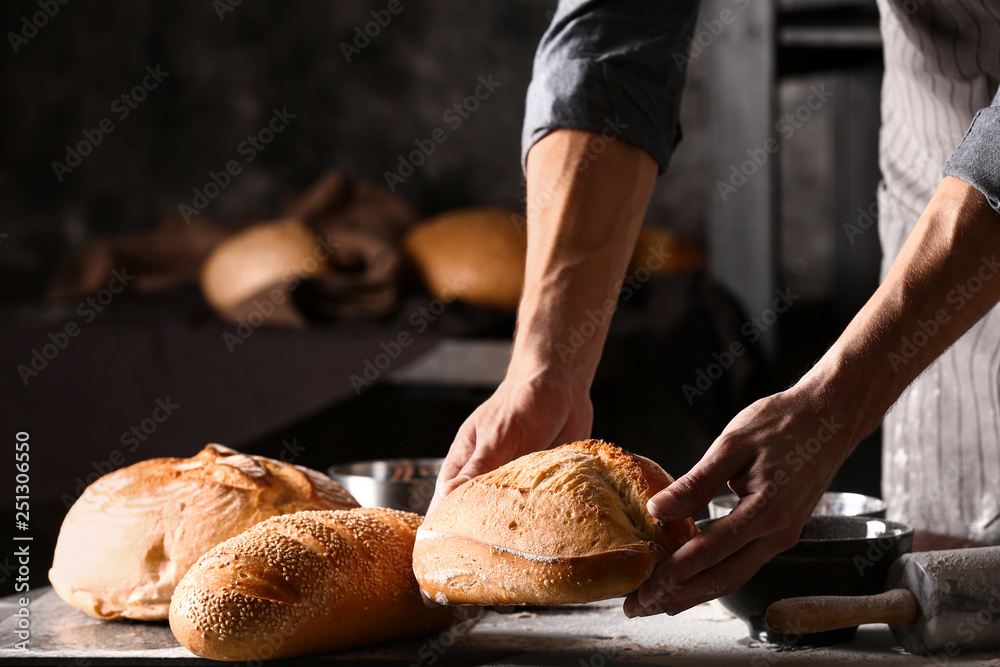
[833, 503]
[402, 484]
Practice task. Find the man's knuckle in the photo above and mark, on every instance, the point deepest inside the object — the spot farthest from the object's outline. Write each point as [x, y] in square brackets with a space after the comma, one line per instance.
[764, 524]
[664, 589]
[784, 513]
[725, 445]
[704, 554]
[720, 586]
[786, 540]
[694, 484]
[775, 520]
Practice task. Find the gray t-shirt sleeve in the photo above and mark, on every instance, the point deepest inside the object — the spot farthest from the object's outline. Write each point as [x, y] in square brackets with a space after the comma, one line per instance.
[977, 159]
[612, 66]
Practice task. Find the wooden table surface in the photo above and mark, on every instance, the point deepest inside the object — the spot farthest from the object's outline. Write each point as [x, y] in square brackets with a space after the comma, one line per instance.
[597, 634]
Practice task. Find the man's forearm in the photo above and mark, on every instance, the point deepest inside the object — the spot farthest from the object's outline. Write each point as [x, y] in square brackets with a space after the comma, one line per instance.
[584, 213]
[585, 207]
[943, 281]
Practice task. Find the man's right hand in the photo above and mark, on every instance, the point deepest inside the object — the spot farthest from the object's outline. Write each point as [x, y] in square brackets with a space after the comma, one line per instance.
[530, 411]
[584, 208]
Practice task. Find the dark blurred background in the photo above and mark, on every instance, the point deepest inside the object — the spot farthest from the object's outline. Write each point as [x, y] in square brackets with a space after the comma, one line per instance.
[228, 66]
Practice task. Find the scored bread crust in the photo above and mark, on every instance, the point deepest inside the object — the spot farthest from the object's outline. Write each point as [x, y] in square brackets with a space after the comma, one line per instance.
[130, 537]
[560, 526]
[305, 583]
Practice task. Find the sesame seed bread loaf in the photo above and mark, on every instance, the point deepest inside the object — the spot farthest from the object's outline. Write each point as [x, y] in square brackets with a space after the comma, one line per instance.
[133, 533]
[305, 583]
[560, 526]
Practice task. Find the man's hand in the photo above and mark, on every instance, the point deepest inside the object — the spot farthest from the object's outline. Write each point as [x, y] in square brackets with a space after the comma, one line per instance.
[778, 455]
[530, 411]
[585, 207]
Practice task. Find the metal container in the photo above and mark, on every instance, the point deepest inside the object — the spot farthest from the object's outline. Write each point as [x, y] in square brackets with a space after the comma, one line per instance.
[402, 484]
[833, 503]
[835, 555]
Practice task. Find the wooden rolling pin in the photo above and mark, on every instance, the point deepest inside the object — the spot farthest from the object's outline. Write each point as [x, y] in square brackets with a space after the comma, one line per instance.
[937, 601]
[832, 612]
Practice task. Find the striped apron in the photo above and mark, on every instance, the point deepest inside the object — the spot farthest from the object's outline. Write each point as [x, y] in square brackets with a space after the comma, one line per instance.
[941, 441]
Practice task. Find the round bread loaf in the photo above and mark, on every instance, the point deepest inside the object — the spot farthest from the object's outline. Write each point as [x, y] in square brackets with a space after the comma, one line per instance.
[560, 526]
[133, 533]
[305, 583]
[476, 255]
[256, 258]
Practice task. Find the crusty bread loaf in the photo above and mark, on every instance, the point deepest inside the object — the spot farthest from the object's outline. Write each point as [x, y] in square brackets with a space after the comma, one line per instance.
[133, 533]
[560, 526]
[257, 258]
[305, 583]
[476, 255]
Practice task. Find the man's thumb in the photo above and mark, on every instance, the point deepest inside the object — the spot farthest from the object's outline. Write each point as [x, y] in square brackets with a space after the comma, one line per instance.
[683, 498]
[444, 487]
